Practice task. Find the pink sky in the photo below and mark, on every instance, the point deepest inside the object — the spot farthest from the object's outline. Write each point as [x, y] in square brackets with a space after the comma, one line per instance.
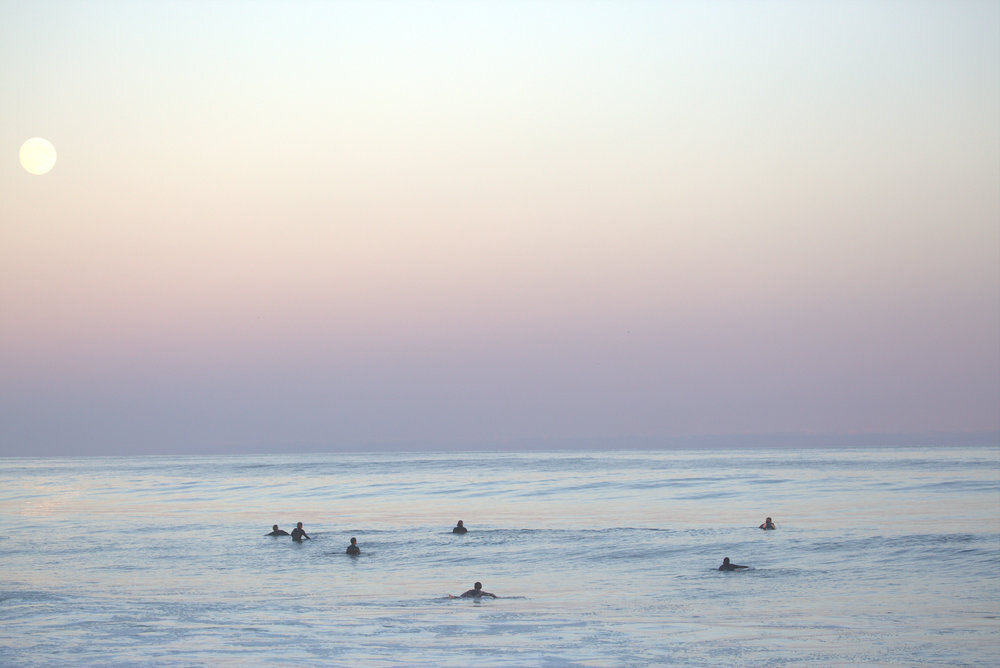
[332, 225]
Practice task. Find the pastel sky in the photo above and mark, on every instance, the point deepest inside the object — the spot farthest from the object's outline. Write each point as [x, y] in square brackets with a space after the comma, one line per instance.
[340, 225]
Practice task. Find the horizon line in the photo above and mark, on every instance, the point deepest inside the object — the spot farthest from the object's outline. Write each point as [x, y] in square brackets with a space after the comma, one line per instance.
[732, 441]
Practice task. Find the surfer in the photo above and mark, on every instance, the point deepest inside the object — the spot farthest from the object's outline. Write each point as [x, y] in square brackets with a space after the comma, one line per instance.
[726, 566]
[298, 533]
[275, 531]
[768, 524]
[353, 548]
[476, 592]
[459, 528]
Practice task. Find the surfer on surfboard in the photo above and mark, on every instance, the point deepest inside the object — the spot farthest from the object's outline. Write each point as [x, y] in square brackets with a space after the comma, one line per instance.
[475, 592]
[298, 533]
[726, 566]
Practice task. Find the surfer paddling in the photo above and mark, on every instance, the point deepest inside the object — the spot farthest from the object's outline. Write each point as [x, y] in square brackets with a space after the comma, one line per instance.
[475, 592]
[726, 566]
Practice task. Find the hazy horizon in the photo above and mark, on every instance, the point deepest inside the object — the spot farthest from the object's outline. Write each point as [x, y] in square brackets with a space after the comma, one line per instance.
[445, 222]
[706, 442]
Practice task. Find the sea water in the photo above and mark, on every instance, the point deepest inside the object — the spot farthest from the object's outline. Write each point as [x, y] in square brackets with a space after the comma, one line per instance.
[881, 557]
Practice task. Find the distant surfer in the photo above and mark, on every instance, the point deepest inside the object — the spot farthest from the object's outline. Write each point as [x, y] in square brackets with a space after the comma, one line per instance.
[726, 566]
[459, 528]
[353, 548]
[475, 592]
[298, 533]
[768, 524]
[275, 531]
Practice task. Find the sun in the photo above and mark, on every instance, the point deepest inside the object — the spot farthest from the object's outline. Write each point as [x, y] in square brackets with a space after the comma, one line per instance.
[38, 155]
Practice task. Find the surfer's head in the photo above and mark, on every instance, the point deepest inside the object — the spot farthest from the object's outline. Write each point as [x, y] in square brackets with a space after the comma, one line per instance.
[477, 586]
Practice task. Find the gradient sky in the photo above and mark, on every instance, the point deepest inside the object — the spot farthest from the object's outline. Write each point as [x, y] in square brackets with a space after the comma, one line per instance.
[331, 225]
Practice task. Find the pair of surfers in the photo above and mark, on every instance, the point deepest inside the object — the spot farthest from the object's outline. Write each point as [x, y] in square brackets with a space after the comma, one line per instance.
[298, 533]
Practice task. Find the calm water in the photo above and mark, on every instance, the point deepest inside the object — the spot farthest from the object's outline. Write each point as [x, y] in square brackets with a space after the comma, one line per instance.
[882, 556]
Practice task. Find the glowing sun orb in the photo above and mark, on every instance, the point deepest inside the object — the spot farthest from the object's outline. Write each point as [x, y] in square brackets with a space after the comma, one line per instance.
[38, 155]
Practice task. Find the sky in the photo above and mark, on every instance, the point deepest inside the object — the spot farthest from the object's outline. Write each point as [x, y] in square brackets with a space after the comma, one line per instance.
[281, 226]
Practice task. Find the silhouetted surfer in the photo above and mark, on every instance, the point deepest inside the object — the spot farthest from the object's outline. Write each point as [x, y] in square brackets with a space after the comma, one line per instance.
[275, 531]
[726, 566]
[353, 548]
[460, 528]
[768, 524]
[298, 533]
[476, 592]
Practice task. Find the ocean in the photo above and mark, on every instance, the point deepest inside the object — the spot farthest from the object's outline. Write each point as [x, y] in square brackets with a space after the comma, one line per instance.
[881, 556]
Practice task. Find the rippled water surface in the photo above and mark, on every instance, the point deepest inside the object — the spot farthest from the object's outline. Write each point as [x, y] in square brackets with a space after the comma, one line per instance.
[882, 556]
